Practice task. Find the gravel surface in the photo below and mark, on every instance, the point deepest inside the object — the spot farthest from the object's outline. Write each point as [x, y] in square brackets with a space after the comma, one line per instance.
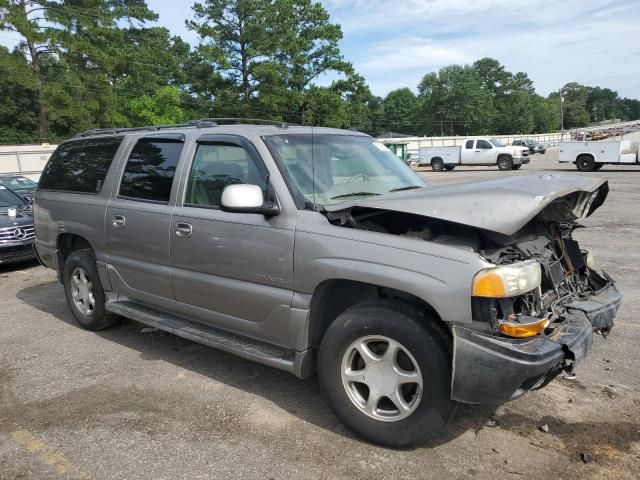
[124, 404]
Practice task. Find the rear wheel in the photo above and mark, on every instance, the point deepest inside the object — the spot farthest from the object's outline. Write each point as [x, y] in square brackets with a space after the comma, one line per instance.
[505, 163]
[516, 167]
[437, 165]
[84, 293]
[585, 163]
[598, 166]
[448, 168]
[386, 372]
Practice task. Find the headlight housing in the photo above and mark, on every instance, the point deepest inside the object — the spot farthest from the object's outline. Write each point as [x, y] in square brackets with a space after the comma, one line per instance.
[590, 261]
[507, 280]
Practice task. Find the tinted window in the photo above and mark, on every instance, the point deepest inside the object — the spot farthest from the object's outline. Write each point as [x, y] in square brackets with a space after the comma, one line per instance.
[216, 166]
[150, 170]
[469, 145]
[80, 166]
[483, 144]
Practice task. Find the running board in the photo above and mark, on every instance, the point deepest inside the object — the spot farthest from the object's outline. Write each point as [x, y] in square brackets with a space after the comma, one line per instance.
[244, 347]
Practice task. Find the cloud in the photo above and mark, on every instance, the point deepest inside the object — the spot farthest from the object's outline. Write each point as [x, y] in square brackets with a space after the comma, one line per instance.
[393, 44]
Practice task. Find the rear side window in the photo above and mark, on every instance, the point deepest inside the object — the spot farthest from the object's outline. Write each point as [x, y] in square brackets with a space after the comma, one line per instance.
[150, 169]
[469, 145]
[80, 167]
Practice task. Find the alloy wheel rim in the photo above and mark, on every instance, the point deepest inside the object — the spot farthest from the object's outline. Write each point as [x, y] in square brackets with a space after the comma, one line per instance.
[381, 378]
[82, 291]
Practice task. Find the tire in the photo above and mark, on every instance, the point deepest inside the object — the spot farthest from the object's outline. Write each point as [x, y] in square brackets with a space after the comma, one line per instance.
[515, 167]
[84, 292]
[427, 407]
[585, 163]
[437, 165]
[448, 168]
[505, 163]
[598, 166]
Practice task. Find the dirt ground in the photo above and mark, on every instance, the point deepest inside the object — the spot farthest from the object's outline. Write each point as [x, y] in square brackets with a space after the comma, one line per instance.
[125, 404]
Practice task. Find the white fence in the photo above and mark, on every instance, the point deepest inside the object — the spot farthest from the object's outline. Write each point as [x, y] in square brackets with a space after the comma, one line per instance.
[27, 160]
[551, 139]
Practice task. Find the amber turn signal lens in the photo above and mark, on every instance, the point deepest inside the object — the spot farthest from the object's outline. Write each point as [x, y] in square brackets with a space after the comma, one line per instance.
[489, 285]
[523, 330]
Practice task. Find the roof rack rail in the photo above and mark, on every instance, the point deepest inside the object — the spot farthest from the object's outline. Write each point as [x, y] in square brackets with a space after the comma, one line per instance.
[259, 121]
[199, 123]
[106, 131]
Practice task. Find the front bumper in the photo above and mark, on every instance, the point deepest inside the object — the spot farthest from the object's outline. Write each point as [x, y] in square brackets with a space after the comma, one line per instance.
[521, 160]
[491, 370]
[16, 252]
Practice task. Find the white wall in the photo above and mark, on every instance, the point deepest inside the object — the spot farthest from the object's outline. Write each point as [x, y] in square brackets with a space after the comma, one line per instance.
[27, 160]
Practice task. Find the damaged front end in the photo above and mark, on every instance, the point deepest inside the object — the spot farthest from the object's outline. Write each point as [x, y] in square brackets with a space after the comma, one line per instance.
[535, 310]
[526, 340]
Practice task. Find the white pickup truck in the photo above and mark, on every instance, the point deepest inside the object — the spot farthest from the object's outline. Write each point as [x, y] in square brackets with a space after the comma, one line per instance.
[589, 156]
[475, 152]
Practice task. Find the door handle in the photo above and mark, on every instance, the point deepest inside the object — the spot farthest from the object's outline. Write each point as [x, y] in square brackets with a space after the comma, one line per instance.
[477, 151]
[183, 229]
[118, 221]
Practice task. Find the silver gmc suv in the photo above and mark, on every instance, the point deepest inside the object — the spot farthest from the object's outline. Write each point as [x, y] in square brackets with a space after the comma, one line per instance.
[317, 250]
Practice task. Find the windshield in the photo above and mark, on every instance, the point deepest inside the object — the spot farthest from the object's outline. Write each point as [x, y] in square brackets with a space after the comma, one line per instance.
[325, 169]
[497, 143]
[9, 199]
[18, 183]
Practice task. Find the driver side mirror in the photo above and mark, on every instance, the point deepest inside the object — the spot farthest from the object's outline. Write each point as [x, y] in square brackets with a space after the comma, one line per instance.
[247, 198]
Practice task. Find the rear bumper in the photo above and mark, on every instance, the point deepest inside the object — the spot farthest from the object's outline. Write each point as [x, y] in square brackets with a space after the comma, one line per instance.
[492, 370]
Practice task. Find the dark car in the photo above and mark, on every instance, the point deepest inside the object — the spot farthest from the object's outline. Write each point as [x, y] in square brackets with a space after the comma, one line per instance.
[16, 228]
[20, 185]
[534, 147]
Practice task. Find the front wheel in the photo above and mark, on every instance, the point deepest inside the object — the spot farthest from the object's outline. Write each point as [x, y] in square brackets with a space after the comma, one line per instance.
[448, 168]
[386, 372]
[505, 163]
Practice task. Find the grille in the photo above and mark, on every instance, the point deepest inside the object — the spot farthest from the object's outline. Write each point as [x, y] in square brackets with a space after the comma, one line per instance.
[556, 273]
[17, 234]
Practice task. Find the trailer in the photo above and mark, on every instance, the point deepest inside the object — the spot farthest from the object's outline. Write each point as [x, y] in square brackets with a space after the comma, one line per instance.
[593, 155]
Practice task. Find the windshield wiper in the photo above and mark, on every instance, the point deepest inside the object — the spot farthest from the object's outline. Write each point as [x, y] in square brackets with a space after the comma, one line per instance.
[354, 194]
[408, 187]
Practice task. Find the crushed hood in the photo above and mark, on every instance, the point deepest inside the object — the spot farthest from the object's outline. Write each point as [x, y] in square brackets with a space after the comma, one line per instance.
[503, 205]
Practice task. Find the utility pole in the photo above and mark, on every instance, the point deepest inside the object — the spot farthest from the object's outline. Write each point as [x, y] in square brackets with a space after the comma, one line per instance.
[562, 115]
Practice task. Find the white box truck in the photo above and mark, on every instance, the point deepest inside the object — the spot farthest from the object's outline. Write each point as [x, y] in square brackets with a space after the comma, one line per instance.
[589, 156]
[475, 152]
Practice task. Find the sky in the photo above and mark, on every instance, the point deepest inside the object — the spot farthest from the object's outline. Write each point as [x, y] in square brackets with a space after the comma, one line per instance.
[394, 43]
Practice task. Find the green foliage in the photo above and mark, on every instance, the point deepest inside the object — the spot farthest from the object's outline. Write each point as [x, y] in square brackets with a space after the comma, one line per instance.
[160, 108]
[84, 64]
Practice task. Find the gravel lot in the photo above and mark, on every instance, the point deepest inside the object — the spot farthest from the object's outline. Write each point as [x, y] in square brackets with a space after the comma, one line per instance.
[125, 404]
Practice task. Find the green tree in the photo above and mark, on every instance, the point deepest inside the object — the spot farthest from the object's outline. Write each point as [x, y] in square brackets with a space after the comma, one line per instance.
[455, 102]
[163, 107]
[234, 36]
[574, 105]
[305, 46]
[66, 44]
[18, 109]
[401, 109]
[364, 110]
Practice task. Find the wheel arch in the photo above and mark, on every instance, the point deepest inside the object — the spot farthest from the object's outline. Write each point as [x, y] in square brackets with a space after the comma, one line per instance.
[437, 157]
[332, 297]
[66, 244]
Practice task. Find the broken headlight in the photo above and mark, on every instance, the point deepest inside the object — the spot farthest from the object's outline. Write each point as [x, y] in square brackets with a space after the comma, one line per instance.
[507, 280]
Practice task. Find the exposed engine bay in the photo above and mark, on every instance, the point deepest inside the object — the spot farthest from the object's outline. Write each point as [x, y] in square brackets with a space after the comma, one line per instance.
[568, 273]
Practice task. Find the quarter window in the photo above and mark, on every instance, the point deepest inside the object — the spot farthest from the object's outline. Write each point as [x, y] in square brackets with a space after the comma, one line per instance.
[215, 166]
[150, 170]
[80, 166]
